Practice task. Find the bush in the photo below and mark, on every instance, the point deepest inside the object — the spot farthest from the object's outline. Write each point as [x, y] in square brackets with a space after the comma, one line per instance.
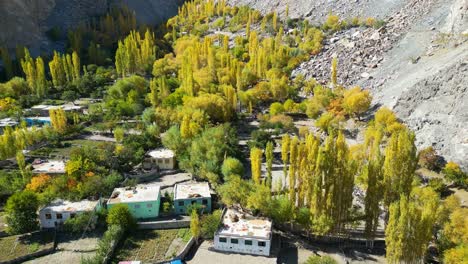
[20, 212]
[438, 185]
[321, 260]
[78, 223]
[276, 108]
[232, 166]
[453, 172]
[210, 224]
[428, 159]
[120, 215]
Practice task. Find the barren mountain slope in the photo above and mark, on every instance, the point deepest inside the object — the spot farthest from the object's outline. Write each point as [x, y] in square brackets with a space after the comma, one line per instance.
[416, 64]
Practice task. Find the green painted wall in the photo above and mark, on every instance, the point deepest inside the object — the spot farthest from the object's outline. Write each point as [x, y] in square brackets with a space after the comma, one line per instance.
[142, 210]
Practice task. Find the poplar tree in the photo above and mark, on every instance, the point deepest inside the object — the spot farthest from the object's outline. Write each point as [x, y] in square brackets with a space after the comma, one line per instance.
[269, 162]
[58, 120]
[399, 166]
[29, 69]
[76, 66]
[293, 157]
[41, 82]
[285, 141]
[410, 226]
[256, 164]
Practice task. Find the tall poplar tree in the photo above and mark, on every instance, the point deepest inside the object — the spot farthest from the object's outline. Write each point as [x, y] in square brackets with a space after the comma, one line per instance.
[269, 162]
[256, 164]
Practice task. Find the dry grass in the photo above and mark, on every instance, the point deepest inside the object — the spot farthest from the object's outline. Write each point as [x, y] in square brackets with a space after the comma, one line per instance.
[16, 246]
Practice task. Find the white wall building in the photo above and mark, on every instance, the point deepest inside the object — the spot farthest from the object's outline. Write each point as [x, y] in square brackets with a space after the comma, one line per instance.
[162, 158]
[244, 233]
[57, 212]
[48, 167]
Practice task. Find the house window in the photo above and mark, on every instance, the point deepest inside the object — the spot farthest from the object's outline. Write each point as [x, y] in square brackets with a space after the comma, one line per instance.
[234, 241]
[248, 242]
[166, 161]
[59, 216]
[222, 240]
[261, 243]
[205, 201]
[72, 215]
[48, 216]
[149, 205]
[181, 203]
[137, 206]
[194, 202]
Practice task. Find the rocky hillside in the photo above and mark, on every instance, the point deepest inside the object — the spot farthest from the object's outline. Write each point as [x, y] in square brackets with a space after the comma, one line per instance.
[24, 22]
[415, 64]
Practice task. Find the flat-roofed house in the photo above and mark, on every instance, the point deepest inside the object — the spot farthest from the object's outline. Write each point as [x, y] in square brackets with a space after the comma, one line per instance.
[243, 233]
[192, 193]
[57, 212]
[160, 158]
[48, 167]
[7, 122]
[142, 200]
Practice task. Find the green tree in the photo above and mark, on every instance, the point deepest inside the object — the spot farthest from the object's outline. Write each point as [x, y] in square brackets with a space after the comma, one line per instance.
[334, 71]
[256, 164]
[269, 162]
[20, 212]
[195, 226]
[210, 223]
[235, 192]
[410, 225]
[232, 166]
[399, 166]
[453, 172]
[120, 215]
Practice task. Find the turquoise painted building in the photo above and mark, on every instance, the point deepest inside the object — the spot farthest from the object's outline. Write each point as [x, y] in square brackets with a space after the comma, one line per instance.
[190, 194]
[143, 201]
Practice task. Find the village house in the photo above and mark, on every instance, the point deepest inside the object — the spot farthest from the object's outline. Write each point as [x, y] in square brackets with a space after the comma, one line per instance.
[186, 195]
[57, 212]
[142, 201]
[48, 166]
[7, 122]
[159, 158]
[244, 233]
[41, 121]
[43, 110]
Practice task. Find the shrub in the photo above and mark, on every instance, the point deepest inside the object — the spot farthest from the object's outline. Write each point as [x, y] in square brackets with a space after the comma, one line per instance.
[232, 166]
[428, 159]
[120, 215]
[20, 211]
[332, 23]
[320, 260]
[210, 224]
[276, 108]
[78, 223]
[453, 172]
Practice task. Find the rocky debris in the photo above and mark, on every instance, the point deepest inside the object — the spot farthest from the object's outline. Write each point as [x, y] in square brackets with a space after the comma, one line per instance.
[437, 109]
[358, 50]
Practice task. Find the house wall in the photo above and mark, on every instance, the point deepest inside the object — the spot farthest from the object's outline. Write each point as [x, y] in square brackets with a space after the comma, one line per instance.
[241, 247]
[164, 164]
[54, 221]
[182, 209]
[142, 210]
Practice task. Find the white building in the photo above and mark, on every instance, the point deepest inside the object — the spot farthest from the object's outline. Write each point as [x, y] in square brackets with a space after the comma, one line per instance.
[7, 122]
[244, 233]
[188, 194]
[48, 167]
[57, 212]
[161, 158]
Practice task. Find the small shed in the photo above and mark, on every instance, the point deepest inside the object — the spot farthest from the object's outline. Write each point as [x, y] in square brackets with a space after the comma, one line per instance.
[143, 201]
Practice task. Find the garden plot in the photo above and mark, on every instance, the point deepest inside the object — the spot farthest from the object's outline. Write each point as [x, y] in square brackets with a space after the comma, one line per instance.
[152, 245]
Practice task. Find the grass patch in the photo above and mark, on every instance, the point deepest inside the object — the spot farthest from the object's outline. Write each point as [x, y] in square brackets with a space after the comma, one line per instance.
[184, 234]
[68, 145]
[146, 245]
[16, 246]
